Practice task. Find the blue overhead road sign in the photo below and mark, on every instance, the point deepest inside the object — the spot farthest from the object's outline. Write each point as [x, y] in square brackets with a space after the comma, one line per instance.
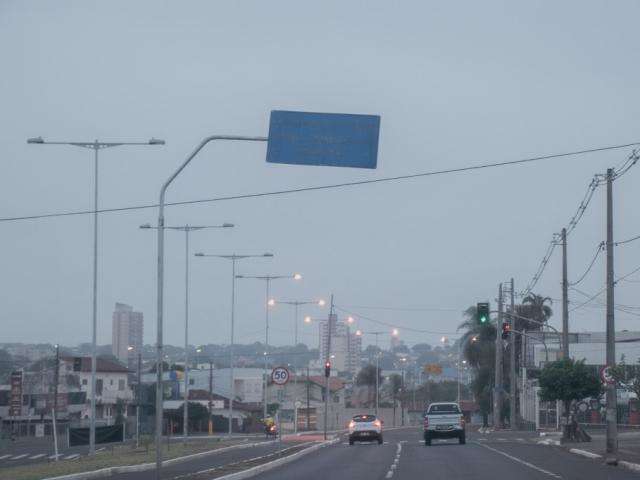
[329, 139]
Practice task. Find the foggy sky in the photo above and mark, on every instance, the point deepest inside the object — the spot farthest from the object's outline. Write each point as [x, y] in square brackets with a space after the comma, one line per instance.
[455, 83]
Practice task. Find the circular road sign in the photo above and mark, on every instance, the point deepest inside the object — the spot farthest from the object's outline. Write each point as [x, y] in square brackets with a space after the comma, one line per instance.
[280, 375]
[605, 376]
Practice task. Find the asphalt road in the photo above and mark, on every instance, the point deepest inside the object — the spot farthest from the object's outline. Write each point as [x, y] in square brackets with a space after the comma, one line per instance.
[484, 457]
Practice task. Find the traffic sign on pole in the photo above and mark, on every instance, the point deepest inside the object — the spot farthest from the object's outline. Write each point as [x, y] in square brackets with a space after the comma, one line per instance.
[328, 139]
[280, 375]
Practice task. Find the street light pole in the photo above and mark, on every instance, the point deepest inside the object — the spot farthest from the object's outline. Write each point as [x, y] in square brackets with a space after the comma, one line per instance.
[234, 258]
[95, 146]
[160, 282]
[267, 279]
[187, 229]
[296, 304]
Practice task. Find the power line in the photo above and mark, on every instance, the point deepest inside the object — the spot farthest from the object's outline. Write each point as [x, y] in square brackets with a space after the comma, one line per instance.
[405, 309]
[326, 187]
[387, 324]
[628, 240]
[596, 181]
[599, 250]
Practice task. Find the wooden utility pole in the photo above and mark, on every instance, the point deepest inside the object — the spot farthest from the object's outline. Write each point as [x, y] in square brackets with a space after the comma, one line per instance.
[497, 391]
[611, 397]
[513, 381]
[565, 298]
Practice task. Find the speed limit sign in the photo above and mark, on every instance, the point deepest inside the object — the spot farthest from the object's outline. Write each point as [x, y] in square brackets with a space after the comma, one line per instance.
[280, 375]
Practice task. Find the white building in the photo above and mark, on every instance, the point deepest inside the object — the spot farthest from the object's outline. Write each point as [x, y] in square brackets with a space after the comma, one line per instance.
[127, 330]
[345, 346]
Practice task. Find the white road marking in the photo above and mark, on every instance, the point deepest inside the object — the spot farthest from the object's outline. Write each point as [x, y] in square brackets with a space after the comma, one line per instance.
[18, 457]
[520, 461]
[520, 440]
[501, 439]
[4, 456]
[71, 457]
[52, 457]
[40, 455]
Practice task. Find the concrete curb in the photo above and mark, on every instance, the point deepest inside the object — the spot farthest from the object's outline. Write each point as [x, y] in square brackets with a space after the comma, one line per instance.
[109, 471]
[634, 467]
[257, 470]
[584, 453]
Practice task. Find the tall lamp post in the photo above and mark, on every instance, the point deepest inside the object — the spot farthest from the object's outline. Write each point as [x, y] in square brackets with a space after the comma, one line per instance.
[96, 146]
[296, 304]
[268, 279]
[360, 333]
[234, 258]
[187, 229]
[131, 348]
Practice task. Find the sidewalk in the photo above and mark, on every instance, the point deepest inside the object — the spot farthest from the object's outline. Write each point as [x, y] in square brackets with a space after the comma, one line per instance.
[628, 447]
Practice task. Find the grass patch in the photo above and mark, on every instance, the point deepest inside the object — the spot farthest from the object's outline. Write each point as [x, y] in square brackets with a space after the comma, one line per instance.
[115, 456]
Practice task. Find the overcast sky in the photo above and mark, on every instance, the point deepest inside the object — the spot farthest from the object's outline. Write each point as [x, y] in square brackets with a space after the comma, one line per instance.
[455, 83]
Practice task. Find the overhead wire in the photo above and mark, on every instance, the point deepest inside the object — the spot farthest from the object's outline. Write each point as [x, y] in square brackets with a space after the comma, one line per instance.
[599, 250]
[387, 324]
[325, 187]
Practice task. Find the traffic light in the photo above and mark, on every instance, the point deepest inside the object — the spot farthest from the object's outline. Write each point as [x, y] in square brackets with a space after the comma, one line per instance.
[327, 369]
[506, 330]
[482, 313]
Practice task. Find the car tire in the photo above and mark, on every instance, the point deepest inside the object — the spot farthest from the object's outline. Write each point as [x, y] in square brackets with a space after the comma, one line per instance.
[462, 439]
[380, 440]
[351, 442]
[427, 440]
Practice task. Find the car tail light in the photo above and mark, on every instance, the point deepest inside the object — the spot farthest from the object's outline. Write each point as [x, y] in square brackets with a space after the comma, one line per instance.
[377, 423]
[426, 422]
[462, 421]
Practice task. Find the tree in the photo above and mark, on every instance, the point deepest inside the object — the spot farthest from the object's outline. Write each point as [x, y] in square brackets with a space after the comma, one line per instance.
[367, 376]
[568, 380]
[535, 307]
[478, 347]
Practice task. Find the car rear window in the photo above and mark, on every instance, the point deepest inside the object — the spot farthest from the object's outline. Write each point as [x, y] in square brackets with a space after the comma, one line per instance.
[364, 418]
[445, 408]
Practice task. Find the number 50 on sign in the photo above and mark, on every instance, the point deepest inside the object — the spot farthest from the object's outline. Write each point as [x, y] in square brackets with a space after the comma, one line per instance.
[280, 375]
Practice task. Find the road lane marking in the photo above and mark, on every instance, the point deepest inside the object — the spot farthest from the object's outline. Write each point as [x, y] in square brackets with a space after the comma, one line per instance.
[4, 456]
[72, 457]
[18, 457]
[519, 460]
[40, 455]
[52, 457]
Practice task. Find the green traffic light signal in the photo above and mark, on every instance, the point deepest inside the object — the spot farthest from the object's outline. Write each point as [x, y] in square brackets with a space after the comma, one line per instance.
[482, 312]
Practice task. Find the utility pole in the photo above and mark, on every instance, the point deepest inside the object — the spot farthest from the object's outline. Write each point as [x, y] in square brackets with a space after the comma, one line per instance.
[327, 390]
[565, 298]
[138, 399]
[513, 381]
[210, 396]
[497, 391]
[308, 400]
[54, 416]
[612, 417]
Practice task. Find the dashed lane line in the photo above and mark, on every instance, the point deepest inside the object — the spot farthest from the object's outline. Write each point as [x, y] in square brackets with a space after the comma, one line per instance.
[35, 457]
[18, 457]
[519, 460]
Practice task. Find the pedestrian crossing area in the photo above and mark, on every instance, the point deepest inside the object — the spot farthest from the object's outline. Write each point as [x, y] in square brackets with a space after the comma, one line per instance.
[8, 458]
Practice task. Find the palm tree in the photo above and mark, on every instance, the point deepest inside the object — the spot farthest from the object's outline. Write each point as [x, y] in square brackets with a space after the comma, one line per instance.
[535, 307]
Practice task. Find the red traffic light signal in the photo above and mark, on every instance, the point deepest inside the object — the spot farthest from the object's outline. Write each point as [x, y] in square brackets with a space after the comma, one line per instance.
[506, 330]
[327, 369]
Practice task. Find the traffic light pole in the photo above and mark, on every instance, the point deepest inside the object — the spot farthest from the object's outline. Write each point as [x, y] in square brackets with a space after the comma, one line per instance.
[513, 383]
[497, 392]
[327, 389]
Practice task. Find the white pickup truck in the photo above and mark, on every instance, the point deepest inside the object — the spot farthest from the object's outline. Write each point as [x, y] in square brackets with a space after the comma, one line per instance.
[443, 420]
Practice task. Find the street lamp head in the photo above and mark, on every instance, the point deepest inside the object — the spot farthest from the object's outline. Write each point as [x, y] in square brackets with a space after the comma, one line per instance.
[307, 319]
[271, 302]
[156, 141]
[199, 350]
[267, 254]
[321, 303]
[443, 339]
[239, 276]
[297, 276]
[198, 254]
[358, 333]
[395, 332]
[130, 348]
[145, 225]
[350, 320]
[228, 225]
[35, 140]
